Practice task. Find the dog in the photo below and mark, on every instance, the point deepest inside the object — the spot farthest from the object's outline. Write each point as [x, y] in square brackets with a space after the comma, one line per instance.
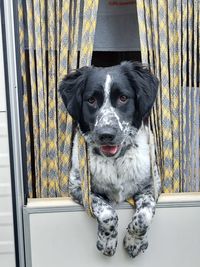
[110, 106]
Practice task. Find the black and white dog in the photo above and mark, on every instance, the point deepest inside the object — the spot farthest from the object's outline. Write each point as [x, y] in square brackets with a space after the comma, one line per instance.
[110, 105]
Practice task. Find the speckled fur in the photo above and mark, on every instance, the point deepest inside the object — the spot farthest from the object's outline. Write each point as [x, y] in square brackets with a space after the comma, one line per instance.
[127, 173]
[118, 179]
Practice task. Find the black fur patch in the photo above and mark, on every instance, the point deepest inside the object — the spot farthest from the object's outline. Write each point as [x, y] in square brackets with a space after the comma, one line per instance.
[130, 79]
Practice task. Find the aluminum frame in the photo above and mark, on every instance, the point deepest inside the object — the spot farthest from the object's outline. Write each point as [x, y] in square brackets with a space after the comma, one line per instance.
[15, 129]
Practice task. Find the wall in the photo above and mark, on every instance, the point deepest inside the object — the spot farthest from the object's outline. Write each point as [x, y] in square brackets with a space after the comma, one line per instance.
[117, 27]
[7, 257]
[61, 234]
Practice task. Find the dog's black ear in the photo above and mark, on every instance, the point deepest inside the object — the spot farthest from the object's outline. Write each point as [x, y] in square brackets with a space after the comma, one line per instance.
[145, 86]
[71, 89]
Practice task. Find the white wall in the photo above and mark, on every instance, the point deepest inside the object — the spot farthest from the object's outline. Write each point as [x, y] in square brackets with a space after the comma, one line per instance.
[117, 27]
[59, 235]
[7, 256]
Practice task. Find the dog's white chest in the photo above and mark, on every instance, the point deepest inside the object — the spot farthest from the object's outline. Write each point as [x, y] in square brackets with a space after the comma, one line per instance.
[121, 178]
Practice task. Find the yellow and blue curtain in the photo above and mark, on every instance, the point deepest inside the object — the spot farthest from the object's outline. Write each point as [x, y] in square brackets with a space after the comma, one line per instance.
[170, 45]
[54, 39]
[50, 33]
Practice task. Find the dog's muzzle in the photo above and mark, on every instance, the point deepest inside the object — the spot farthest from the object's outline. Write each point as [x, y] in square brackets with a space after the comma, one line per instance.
[108, 139]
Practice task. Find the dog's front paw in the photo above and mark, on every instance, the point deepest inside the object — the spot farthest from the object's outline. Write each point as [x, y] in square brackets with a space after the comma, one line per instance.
[135, 244]
[107, 242]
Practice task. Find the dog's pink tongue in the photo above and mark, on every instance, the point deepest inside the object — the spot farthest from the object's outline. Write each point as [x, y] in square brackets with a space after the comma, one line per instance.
[109, 150]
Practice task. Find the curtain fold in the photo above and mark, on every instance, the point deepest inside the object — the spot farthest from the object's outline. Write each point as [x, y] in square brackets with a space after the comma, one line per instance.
[169, 37]
[49, 34]
[25, 97]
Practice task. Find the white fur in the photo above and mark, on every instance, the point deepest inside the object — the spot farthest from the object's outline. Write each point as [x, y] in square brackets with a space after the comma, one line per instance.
[107, 112]
[119, 178]
[107, 87]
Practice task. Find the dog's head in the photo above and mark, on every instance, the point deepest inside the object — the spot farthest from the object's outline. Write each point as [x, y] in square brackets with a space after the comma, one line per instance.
[109, 103]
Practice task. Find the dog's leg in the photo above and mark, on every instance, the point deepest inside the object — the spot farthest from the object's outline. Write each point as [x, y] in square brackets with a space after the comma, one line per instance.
[106, 216]
[75, 186]
[107, 226]
[136, 236]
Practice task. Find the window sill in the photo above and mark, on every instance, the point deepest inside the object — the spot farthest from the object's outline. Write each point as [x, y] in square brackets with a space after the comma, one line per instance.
[66, 204]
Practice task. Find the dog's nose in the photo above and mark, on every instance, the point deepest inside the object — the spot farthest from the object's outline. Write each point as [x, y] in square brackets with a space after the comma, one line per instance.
[107, 135]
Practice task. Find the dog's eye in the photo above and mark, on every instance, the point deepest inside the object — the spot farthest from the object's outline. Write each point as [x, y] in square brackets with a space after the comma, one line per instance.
[123, 98]
[91, 100]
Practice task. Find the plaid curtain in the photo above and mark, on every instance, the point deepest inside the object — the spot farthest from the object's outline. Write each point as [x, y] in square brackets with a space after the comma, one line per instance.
[170, 45]
[49, 35]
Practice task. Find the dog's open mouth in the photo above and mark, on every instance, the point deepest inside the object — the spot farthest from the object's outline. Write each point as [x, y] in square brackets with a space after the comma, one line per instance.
[109, 151]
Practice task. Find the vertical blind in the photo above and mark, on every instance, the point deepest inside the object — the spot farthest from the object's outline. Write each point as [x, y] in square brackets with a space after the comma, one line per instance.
[51, 29]
[170, 43]
[49, 34]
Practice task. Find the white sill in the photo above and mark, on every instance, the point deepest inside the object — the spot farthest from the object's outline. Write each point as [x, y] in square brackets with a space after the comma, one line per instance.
[38, 205]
